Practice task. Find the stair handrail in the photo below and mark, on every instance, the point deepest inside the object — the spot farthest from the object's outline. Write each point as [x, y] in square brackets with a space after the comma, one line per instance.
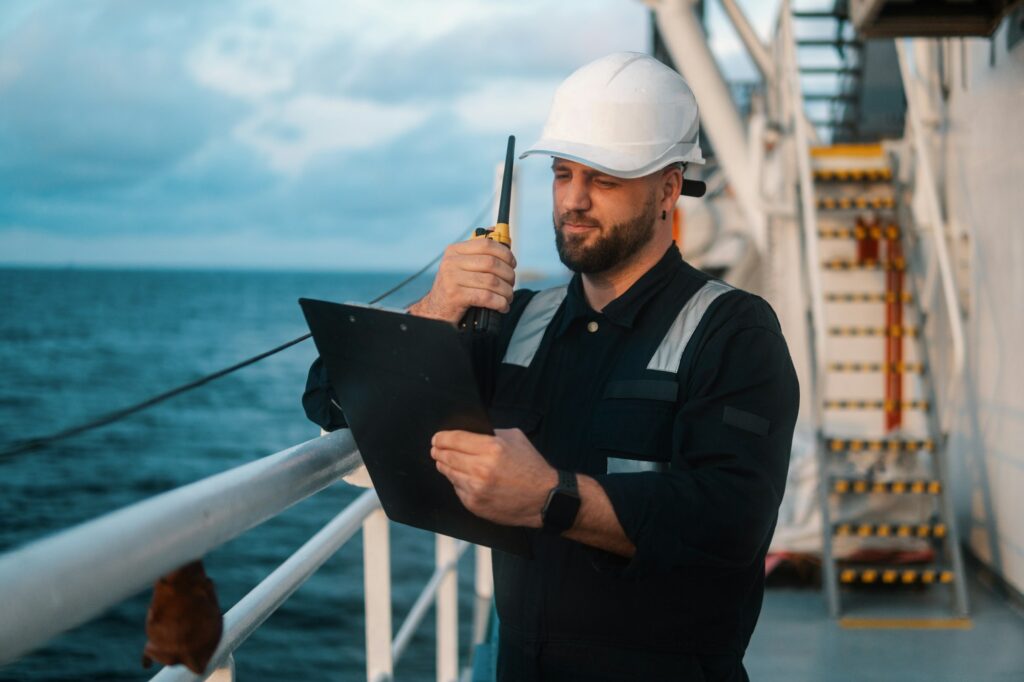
[793, 95]
[936, 224]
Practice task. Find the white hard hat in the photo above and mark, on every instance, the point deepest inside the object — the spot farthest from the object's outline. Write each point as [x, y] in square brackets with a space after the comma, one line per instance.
[626, 114]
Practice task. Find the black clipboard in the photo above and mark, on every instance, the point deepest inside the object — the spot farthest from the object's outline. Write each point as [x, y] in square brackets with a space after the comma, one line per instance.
[399, 380]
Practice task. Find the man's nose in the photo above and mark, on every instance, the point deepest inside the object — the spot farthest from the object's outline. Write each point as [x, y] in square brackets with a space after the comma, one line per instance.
[575, 196]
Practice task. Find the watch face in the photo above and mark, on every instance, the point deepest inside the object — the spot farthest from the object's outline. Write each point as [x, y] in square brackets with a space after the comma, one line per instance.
[561, 510]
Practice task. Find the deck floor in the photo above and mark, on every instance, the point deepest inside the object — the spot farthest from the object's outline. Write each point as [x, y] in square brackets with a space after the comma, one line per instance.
[796, 640]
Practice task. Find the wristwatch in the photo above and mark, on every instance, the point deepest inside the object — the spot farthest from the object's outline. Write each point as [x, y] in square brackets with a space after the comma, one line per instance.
[562, 505]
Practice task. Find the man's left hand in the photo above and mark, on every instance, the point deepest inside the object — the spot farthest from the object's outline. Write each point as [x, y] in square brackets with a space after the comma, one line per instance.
[501, 478]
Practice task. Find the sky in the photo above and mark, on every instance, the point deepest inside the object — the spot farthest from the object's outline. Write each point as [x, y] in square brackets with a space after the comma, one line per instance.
[308, 134]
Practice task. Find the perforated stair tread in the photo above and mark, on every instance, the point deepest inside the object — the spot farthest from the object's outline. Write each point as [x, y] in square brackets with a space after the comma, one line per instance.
[866, 264]
[868, 297]
[860, 232]
[888, 574]
[887, 330]
[879, 444]
[852, 174]
[859, 203]
[863, 486]
[857, 404]
[898, 529]
[889, 367]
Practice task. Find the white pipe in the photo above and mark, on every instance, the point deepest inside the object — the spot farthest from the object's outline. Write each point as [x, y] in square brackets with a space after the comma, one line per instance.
[685, 40]
[64, 580]
[254, 608]
[755, 48]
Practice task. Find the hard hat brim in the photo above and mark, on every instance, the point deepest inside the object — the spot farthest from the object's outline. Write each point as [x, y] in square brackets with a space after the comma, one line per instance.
[624, 163]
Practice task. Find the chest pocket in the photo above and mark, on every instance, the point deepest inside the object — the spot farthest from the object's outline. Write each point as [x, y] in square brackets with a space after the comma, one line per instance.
[632, 425]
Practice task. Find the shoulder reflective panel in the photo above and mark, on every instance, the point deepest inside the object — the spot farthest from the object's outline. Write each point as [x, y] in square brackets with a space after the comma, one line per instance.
[530, 329]
[670, 351]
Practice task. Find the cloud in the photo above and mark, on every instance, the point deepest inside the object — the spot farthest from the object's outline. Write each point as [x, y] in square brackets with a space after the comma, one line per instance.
[290, 135]
[505, 105]
[169, 129]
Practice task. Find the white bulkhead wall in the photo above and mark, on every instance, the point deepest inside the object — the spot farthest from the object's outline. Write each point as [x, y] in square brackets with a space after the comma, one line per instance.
[984, 190]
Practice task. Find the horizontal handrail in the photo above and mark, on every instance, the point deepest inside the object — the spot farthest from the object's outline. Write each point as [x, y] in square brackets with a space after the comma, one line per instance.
[254, 608]
[56, 583]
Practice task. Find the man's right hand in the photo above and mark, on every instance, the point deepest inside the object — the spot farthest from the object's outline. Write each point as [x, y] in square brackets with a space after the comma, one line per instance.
[477, 273]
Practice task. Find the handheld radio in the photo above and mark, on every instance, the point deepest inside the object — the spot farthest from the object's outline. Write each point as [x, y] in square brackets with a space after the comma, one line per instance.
[485, 320]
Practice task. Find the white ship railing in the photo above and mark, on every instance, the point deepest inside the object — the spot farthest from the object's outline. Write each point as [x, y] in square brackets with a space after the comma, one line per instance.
[939, 264]
[60, 582]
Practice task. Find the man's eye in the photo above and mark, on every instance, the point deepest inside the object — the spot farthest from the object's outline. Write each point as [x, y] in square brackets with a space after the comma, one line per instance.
[604, 182]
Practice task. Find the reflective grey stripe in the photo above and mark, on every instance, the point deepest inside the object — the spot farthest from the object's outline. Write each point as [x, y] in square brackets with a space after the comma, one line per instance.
[632, 466]
[530, 329]
[670, 351]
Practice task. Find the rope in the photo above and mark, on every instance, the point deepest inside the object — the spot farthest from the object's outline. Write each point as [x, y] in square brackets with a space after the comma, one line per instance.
[37, 443]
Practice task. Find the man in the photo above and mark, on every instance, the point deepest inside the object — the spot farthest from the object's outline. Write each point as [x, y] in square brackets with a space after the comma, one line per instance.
[644, 414]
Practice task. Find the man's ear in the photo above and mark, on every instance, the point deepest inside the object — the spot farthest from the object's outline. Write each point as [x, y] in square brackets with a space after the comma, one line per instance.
[672, 182]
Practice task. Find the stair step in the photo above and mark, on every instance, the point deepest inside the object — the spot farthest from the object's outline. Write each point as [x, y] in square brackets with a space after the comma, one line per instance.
[863, 150]
[874, 232]
[852, 174]
[889, 367]
[873, 405]
[866, 264]
[889, 575]
[890, 530]
[862, 486]
[867, 297]
[877, 445]
[847, 203]
[890, 330]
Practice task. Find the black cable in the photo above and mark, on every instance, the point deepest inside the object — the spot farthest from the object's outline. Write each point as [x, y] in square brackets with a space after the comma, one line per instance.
[42, 441]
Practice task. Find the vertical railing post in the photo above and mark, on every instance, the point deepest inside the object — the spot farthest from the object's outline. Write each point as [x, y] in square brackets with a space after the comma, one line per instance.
[484, 591]
[446, 553]
[377, 591]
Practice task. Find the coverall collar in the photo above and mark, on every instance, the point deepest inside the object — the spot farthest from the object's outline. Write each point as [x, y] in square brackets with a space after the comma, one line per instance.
[624, 309]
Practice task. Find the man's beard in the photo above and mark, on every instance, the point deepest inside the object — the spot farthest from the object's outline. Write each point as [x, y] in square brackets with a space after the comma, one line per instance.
[611, 248]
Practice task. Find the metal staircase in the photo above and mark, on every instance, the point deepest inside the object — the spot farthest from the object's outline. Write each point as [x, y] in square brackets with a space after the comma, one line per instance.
[888, 518]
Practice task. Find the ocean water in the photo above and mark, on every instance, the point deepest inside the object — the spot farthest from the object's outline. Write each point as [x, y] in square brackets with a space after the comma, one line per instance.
[75, 343]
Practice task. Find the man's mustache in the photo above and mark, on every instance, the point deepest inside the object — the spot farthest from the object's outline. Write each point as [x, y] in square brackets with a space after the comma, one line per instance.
[576, 218]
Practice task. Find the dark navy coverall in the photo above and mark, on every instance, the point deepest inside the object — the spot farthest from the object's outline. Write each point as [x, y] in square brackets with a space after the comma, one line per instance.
[685, 605]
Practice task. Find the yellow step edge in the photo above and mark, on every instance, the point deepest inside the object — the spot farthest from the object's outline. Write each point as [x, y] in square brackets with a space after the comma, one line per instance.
[876, 232]
[860, 150]
[890, 530]
[879, 444]
[872, 405]
[906, 623]
[846, 203]
[892, 330]
[867, 297]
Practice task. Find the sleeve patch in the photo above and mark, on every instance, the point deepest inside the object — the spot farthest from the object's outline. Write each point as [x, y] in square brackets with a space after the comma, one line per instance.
[748, 421]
